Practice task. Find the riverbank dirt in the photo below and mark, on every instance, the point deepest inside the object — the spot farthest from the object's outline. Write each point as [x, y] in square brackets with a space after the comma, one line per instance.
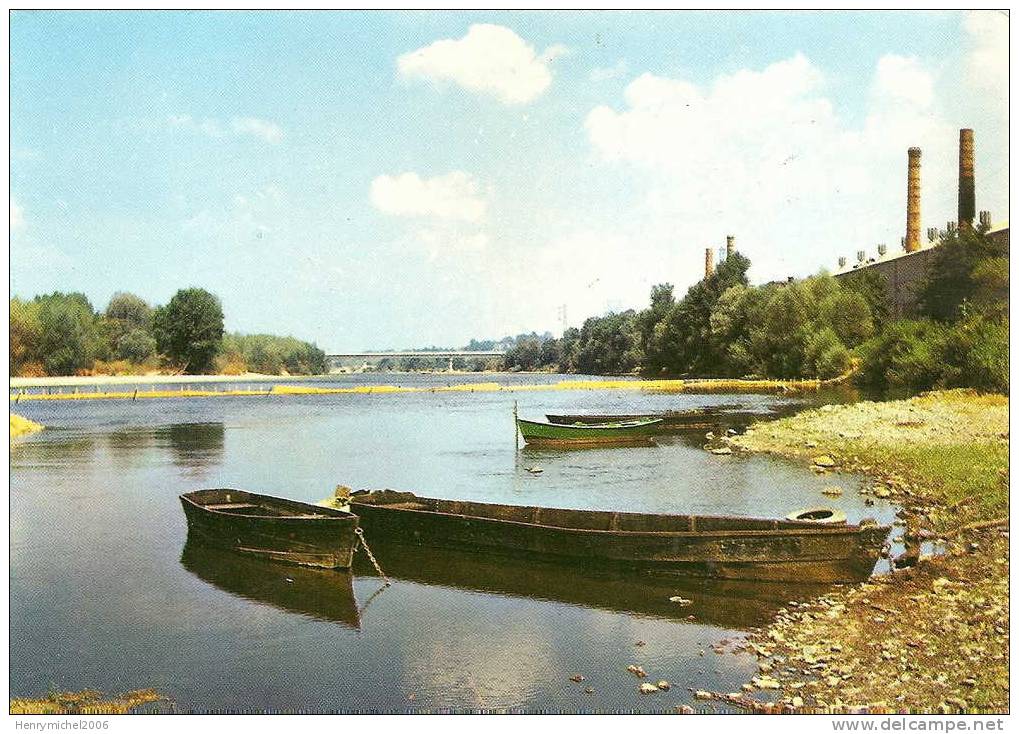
[931, 637]
[20, 426]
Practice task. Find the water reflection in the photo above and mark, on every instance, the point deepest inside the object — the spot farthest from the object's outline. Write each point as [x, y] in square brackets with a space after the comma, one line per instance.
[194, 445]
[721, 603]
[319, 593]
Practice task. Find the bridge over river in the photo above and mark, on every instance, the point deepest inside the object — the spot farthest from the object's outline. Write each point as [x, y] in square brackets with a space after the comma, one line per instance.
[448, 355]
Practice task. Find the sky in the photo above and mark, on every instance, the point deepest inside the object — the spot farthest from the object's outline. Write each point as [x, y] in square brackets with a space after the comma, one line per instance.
[373, 180]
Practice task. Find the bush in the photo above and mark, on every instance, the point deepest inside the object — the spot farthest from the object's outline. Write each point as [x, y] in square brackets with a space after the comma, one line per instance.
[136, 345]
[976, 354]
[826, 355]
[269, 355]
[907, 354]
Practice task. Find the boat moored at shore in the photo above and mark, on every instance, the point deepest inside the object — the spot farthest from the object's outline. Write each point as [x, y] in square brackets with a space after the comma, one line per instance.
[617, 432]
[693, 545]
[272, 528]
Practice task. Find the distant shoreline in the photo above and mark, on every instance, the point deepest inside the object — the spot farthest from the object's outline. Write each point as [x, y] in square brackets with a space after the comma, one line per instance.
[89, 380]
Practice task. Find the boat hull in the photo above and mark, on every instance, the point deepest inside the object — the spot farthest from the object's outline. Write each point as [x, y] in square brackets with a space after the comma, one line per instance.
[549, 434]
[306, 535]
[766, 550]
[671, 421]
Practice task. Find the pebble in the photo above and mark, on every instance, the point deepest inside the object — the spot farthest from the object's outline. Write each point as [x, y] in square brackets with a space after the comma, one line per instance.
[684, 709]
[832, 491]
[663, 685]
[646, 688]
[681, 601]
[824, 460]
[882, 493]
[639, 643]
[703, 695]
[577, 678]
[721, 451]
[589, 690]
[535, 469]
[637, 671]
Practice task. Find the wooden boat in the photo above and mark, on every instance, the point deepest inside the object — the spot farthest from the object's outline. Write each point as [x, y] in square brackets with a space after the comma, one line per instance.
[670, 420]
[272, 528]
[621, 432]
[316, 593]
[693, 545]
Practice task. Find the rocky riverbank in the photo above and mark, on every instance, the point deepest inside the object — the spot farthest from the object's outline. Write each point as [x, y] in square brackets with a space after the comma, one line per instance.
[929, 637]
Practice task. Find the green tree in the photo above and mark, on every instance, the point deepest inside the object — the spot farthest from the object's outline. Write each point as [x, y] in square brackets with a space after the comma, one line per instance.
[681, 342]
[25, 333]
[873, 286]
[189, 329]
[907, 354]
[69, 337]
[136, 346]
[131, 310]
[609, 345]
[960, 273]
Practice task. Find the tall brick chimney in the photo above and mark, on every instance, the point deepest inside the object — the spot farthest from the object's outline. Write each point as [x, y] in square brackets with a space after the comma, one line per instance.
[967, 186]
[913, 202]
[709, 261]
[730, 246]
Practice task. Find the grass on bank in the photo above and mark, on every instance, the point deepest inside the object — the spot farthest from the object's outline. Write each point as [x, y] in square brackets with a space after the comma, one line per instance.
[84, 702]
[21, 426]
[946, 451]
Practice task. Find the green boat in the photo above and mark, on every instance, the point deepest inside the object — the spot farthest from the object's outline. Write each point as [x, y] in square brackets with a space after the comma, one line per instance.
[588, 434]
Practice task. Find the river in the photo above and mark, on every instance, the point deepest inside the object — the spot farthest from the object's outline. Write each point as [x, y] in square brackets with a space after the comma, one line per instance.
[106, 594]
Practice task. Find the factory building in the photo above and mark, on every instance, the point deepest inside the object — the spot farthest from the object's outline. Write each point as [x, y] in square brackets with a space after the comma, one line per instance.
[905, 271]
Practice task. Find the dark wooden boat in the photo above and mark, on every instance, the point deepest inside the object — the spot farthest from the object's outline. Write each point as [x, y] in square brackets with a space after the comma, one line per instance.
[693, 545]
[271, 527]
[618, 432]
[317, 593]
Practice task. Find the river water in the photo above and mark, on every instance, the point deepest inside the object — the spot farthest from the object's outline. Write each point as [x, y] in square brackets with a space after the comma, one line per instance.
[106, 593]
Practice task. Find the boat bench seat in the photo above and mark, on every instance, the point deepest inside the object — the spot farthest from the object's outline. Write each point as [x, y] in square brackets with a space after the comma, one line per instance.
[231, 506]
[406, 505]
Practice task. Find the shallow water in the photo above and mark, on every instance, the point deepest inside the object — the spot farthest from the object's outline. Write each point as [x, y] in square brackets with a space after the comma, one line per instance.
[107, 594]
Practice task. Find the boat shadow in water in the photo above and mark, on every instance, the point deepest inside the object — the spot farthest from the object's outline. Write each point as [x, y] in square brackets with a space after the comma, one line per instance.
[721, 603]
[325, 594]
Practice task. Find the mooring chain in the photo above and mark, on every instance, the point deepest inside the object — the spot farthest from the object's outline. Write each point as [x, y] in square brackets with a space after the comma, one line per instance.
[371, 557]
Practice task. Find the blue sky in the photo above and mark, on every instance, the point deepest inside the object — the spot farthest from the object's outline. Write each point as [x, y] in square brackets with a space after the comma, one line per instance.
[393, 179]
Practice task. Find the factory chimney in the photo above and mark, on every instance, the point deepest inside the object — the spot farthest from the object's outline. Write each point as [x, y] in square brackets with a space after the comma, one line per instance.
[967, 186]
[730, 246]
[913, 202]
[709, 261]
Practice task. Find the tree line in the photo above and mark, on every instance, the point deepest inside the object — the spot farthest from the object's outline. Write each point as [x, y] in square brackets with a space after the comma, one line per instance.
[817, 327]
[61, 334]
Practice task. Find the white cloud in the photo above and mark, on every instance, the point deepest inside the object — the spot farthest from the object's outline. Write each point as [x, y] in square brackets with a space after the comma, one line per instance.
[903, 79]
[987, 62]
[17, 216]
[605, 73]
[490, 59]
[453, 196]
[763, 154]
[266, 130]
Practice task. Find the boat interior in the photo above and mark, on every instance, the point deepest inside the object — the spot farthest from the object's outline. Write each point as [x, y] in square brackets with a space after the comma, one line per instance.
[238, 502]
[580, 519]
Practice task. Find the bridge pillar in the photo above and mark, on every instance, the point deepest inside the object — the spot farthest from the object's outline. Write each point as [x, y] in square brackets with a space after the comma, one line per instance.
[450, 364]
